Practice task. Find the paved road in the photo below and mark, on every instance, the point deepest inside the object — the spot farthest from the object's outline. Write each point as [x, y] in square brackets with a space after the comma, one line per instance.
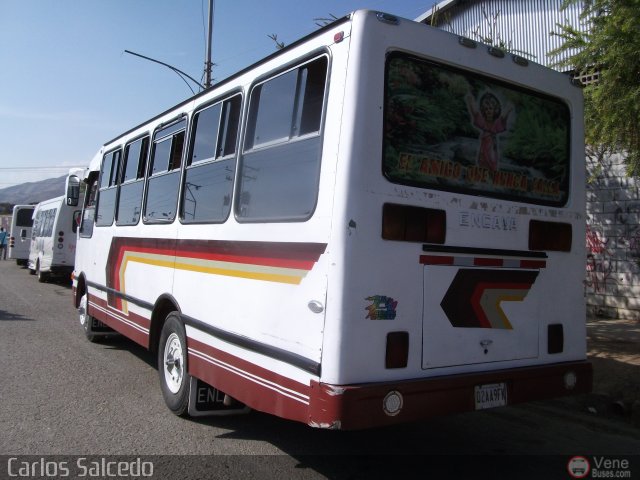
[61, 395]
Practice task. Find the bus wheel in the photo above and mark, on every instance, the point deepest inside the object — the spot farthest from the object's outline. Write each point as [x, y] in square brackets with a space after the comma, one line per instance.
[172, 365]
[42, 277]
[86, 320]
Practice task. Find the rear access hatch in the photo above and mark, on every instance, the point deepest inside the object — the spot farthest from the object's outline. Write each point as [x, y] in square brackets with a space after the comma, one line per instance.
[479, 310]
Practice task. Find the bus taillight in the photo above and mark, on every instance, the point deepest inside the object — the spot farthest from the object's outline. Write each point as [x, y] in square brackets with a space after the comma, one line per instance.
[550, 236]
[413, 224]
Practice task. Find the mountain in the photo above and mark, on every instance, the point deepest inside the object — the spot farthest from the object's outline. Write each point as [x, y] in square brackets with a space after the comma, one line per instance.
[33, 192]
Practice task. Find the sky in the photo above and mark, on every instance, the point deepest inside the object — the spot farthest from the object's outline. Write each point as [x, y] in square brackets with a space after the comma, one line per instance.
[67, 86]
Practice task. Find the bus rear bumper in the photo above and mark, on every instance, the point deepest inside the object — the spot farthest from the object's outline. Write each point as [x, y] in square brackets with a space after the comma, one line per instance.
[380, 404]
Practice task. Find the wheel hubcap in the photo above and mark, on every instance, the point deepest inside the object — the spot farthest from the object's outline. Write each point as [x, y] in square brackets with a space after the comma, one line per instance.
[82, 310]
[173, 363]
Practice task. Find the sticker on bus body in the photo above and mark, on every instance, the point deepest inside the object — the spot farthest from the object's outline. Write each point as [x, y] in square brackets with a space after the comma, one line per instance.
[381, 308]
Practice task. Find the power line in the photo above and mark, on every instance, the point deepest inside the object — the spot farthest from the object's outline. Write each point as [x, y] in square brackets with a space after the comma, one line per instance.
[179, 72]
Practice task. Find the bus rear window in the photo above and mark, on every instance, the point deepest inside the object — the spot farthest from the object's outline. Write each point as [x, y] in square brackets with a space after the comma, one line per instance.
[24, 217]
[451, 130]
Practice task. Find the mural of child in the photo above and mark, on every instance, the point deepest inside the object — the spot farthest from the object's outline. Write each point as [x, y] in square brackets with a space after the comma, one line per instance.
[487, 117]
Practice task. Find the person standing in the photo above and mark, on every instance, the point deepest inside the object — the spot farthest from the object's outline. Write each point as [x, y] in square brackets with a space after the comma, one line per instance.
[3, 243]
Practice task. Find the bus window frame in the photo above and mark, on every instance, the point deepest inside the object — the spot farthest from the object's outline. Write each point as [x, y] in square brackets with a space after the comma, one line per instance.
[114, 182]
[188, 162]
[140, 175]
[169, 129]
[249, 129]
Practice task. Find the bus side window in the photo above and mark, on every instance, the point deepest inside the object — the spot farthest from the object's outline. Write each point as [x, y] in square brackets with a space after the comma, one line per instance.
[210, 169]
[108, 188]
[49, 220]
[164, 174]
[132, 182]
[280, 167]
[88, 213]
[37, 225]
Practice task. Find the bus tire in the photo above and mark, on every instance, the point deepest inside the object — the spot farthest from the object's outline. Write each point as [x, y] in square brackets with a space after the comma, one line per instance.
[42, 276]
[86, 320]
[172, 365]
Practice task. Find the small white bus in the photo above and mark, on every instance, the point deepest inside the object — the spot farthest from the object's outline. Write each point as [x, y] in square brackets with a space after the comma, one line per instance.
[52, 247]
[379, 223]
[20, 233]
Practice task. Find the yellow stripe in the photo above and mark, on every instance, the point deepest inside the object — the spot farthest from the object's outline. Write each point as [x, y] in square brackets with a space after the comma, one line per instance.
[187, 263]
[152, 261]
[517, 297]
[269, 277]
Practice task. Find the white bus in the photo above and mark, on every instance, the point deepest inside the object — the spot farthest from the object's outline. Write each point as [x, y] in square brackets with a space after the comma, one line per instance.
[53, 241]
[20, 233]
[379, 223]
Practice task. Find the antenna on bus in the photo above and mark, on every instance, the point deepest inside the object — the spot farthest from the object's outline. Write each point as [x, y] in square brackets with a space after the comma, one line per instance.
[208, 65]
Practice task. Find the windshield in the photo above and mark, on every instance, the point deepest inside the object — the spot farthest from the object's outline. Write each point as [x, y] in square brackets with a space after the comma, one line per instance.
[452, 130]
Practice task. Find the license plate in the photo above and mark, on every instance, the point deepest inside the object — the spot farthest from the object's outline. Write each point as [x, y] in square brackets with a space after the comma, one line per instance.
[491, 396]
[206, 400]
[98, 326]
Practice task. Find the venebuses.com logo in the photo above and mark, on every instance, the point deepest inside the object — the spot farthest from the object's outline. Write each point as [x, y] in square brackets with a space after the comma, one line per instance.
[579, 467]
[599, 467]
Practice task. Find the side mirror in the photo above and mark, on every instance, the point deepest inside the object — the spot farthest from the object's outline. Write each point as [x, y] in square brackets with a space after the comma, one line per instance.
[73, 190]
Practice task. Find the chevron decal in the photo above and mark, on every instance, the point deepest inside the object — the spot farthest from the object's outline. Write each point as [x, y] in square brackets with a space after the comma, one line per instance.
[475, 295]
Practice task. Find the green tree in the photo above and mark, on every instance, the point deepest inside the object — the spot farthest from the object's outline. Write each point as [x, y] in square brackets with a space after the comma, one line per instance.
[610, 45]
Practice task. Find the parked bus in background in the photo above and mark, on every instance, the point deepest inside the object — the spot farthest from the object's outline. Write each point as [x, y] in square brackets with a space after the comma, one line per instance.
[53, 241]
[20, 233]
[379, 223]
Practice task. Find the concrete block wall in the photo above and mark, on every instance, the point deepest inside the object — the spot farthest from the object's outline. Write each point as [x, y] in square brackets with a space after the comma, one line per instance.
[612, 283]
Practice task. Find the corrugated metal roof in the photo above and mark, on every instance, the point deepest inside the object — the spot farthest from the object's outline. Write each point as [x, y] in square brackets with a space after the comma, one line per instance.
[524, 26]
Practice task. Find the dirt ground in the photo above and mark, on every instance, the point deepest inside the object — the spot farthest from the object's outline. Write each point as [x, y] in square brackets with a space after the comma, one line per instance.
[614, 350]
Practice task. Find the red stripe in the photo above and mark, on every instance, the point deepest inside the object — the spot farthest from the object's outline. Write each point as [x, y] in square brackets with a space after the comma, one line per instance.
[112, 321]
[436, 260]
[488, 262]
[479, 262]
[264, 261]
[477, 307]
[255, 395]
[533, 264]
[483, 287]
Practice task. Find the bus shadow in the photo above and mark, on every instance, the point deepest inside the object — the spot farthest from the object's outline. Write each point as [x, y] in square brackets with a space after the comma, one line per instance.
[121, 343]
[429, 447]
[13, 317]
[59, 282]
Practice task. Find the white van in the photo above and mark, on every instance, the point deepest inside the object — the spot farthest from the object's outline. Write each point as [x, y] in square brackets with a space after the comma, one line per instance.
[53, 241]
[20, 233]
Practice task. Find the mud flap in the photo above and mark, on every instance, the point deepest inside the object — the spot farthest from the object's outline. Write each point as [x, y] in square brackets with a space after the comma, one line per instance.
[205, 400]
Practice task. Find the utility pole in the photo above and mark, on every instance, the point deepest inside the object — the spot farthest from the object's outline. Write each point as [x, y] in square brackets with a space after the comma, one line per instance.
[207, 62]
